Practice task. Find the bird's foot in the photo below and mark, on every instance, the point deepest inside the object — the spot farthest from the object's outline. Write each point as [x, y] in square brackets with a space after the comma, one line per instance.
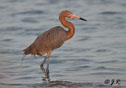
[46, 78]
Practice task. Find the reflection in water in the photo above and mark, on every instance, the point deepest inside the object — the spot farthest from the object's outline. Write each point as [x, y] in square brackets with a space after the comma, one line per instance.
[67, 84]
[47, 83]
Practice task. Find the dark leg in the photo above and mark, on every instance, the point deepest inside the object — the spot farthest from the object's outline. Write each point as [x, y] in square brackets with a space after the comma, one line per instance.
[46, 72]
[49, 53]
[42, 65]
[47, 69]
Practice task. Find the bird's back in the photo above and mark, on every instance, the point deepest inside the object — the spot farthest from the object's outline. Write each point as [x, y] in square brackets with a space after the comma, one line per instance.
[46, 41]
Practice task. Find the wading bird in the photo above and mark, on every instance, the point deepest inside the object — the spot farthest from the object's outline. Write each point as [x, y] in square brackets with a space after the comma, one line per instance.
[53, 38]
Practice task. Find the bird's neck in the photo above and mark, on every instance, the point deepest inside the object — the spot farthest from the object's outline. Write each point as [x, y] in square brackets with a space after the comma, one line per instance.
[69, 25]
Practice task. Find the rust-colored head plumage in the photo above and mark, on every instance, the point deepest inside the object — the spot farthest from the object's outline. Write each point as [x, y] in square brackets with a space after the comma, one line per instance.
[66, 13]
[69, 14]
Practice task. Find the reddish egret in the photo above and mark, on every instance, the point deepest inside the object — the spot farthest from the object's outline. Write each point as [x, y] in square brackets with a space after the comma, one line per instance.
[53, 38]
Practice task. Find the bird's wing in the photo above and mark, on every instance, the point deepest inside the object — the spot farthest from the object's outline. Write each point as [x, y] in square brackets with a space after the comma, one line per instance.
[50, 39]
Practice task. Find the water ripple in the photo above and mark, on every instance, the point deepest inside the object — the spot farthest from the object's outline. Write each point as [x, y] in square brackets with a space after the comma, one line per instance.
[102, 50]
[30, 12]
[111, 13]
[7, 40]
[78, 68]
[100, 68]
[84, 38]
[10, 51]
[29, 20]
[12, 29]
[105, 73]
[110, 61]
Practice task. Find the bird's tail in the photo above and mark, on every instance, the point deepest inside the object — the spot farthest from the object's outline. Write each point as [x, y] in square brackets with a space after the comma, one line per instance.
[26, 51]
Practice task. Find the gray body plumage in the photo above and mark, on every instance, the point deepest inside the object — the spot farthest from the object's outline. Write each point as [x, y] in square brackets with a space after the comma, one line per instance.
[49, 40]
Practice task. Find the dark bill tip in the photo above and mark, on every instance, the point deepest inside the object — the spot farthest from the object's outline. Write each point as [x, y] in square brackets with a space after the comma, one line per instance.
[83, 19]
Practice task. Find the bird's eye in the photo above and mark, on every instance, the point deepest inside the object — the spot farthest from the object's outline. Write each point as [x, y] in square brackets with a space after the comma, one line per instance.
[69, 15]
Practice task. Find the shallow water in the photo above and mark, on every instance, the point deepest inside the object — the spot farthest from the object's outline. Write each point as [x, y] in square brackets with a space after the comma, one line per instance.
[96, 53]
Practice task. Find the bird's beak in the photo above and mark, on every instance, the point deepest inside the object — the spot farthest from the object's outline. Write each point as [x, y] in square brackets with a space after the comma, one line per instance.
[73, 16]
[82, 19]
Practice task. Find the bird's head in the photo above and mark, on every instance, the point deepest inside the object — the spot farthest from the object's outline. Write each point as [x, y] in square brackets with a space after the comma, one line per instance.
[69, 14]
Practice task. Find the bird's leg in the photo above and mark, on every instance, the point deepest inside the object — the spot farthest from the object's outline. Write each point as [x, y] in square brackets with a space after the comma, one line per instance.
[42, 65]
[48, 57]
[47, 69]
